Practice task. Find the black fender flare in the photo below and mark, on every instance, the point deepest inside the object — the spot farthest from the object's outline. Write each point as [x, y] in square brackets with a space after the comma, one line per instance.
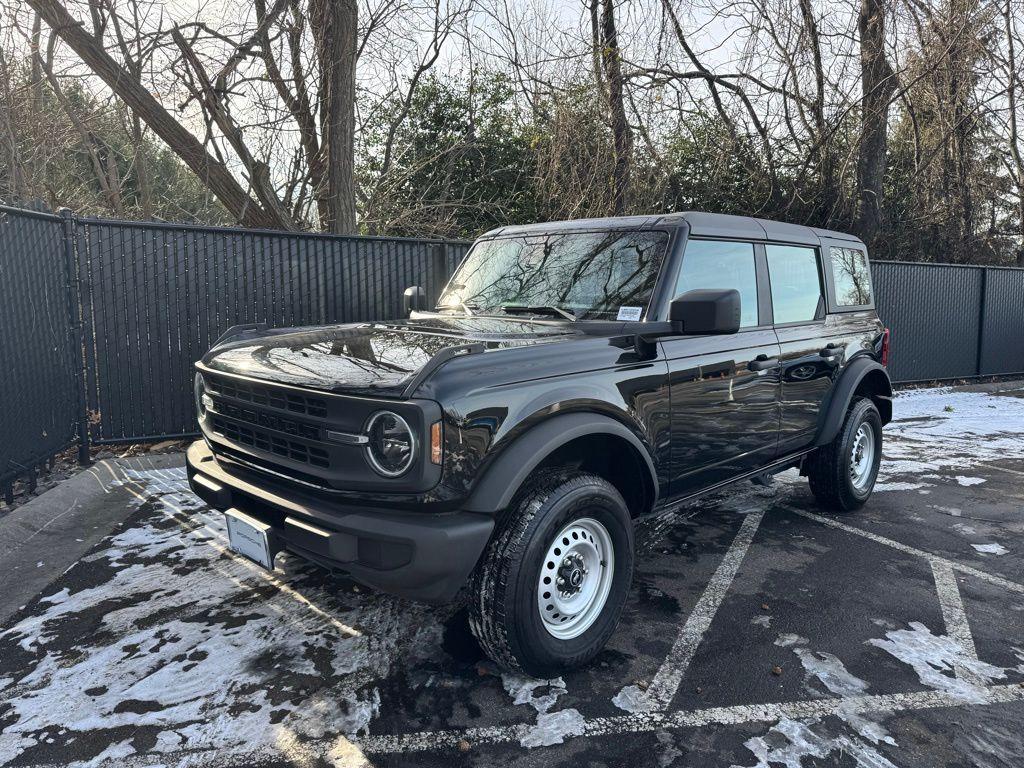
[510, 469]
[834, 409]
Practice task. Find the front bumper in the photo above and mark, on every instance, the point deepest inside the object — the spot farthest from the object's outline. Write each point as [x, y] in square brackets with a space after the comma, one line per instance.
[419, 555]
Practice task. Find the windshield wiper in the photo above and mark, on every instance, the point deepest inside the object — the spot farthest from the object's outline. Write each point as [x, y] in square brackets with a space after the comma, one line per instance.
[469, 309]
[542, 309]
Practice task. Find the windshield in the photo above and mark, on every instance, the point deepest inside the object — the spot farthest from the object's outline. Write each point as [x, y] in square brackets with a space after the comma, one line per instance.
[597, 275]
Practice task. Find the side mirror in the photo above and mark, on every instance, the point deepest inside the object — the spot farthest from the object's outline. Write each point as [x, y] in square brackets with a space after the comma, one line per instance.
[414, 299]
[706, 311]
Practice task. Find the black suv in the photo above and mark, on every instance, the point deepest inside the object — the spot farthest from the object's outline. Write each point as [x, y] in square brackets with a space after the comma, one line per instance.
[572, 378]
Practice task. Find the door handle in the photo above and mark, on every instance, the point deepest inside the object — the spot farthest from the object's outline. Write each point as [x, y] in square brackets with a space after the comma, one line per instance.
[831, 351]
[763, 363]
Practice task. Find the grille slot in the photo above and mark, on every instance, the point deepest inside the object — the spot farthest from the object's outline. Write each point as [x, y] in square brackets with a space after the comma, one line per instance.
[269, 421]
[257, 394]
[264, 441]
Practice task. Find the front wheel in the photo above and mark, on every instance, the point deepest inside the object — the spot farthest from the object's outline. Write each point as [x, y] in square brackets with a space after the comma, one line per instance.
[842, 474]
[552, 584]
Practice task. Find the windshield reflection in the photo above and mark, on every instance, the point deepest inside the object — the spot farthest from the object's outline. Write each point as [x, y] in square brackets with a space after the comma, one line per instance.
[597, 275]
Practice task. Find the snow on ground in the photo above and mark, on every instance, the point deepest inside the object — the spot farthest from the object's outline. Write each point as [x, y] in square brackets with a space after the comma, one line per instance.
[939, 434]
[171, 642]
[186, 642]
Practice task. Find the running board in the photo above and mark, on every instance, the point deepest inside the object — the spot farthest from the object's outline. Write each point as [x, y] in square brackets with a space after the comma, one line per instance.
[788, 462]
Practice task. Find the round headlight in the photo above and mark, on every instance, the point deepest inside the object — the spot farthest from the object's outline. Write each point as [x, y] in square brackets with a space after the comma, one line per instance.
[199, 390]
[392, 444]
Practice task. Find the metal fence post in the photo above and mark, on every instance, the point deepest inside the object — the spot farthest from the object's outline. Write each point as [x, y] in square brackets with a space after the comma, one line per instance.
[981, 320]
[75, 330]
[438, 269]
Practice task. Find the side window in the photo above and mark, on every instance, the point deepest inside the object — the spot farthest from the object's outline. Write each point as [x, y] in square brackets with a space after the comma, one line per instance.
[852, 275]
[796, 282]
[720, 264]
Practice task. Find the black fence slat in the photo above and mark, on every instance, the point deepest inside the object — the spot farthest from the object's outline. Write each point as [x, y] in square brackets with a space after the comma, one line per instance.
[39, 406]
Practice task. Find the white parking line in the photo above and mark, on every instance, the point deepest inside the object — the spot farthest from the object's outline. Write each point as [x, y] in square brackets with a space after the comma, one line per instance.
[955, 617]
[734, 715]
[962, 567]
[335, 746]
[669, 675]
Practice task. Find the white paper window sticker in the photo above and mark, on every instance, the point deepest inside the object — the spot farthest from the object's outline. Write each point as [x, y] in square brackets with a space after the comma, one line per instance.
[629, 313]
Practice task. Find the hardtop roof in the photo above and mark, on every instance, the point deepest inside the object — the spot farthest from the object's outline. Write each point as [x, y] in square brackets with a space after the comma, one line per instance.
[701, 223]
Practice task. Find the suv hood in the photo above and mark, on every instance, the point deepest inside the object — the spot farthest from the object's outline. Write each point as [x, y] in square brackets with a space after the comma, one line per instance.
[377, 359]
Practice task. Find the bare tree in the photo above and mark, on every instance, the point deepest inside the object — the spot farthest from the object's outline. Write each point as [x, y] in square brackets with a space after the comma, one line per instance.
[622, 138]
[212, 171]
[334, 29]
[878, 84]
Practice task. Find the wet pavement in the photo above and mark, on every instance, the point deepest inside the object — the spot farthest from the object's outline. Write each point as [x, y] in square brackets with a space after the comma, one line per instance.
[759, 632]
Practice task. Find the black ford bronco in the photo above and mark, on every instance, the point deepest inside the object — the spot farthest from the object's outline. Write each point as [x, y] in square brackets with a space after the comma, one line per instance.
[572, 378]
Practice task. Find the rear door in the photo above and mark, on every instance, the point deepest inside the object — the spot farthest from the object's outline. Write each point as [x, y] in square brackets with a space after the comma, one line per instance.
[810, 360]
[724, 390]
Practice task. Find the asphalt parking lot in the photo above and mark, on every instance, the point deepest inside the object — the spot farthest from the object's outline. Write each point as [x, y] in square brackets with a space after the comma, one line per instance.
[759, 632]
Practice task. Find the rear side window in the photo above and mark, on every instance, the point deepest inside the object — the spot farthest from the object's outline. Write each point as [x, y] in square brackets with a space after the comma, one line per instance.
[796, 283]
[852, 274]
[721, 264]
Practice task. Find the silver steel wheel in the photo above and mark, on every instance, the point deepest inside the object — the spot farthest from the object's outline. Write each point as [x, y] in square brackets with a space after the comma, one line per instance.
[862, 457]
[575, 578]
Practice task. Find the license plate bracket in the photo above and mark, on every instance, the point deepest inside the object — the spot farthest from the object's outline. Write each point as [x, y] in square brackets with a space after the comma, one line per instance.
[250, 538]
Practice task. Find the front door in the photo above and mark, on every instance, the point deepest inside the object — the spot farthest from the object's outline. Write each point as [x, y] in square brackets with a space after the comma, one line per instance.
[724, 390]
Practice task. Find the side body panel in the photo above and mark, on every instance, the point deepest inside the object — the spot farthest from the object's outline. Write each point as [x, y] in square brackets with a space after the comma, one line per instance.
[808, 376]
[492, 399]
[725, 417]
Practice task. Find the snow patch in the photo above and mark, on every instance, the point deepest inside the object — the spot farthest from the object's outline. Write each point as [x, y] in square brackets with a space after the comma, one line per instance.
[551, 727]
[925, 438]
[787, 640]
[898, 486]
[935, 659]
[834, 675]
[789, 742]
[991, 549]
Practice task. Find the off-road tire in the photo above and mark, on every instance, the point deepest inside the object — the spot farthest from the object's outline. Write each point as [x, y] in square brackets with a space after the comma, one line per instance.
[504, 614]
[828, 468]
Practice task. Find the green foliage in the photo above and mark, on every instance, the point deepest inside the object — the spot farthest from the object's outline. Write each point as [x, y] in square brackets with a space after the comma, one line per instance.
[707, 169]
[460, 163]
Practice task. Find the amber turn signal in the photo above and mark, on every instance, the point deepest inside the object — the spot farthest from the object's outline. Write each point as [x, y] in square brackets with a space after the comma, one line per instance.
[436, 431]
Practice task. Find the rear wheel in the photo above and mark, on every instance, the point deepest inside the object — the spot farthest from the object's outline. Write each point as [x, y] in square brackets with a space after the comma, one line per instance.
[550, 590]
[842, 474]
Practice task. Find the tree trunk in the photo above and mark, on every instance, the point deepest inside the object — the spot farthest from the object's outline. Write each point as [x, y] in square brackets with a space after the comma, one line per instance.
[823, 146]
[1014, 137]
[623, 140]
[334, 28]
[211, 172]
[878, 83]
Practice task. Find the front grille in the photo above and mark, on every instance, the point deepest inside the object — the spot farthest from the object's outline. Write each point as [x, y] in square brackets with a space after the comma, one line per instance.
[257, 394]
[264, 441]
[255, 462]
[269, 421]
